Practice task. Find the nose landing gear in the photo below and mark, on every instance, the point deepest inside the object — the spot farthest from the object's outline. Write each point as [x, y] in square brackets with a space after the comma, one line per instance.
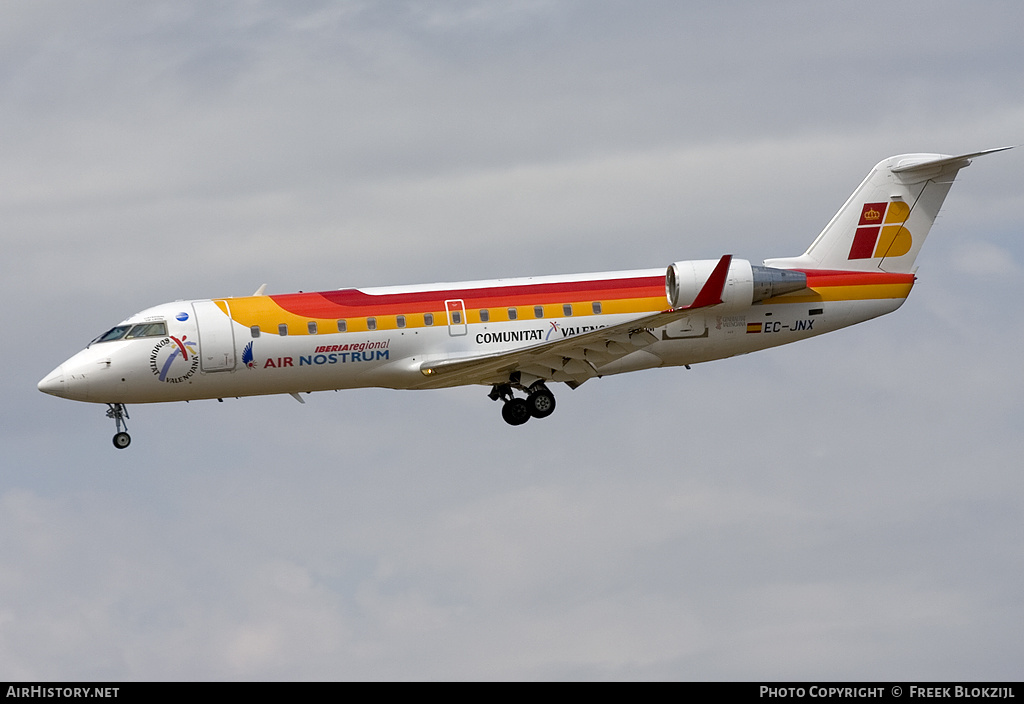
[539, 402]
[119, 413]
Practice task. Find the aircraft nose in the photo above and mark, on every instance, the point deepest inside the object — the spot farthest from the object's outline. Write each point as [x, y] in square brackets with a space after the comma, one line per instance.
[53, 383]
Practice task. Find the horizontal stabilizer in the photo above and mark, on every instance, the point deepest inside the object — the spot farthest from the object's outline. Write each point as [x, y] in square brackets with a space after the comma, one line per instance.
[944, 161]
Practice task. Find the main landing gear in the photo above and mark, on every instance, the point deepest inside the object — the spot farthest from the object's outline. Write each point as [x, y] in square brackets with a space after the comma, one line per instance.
[119, 413]
[539, 402]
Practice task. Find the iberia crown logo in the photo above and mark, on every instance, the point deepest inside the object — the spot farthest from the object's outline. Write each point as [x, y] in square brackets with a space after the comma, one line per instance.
[877, 237]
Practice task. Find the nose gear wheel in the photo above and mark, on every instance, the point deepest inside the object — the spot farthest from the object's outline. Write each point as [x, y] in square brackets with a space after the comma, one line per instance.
[119, 413]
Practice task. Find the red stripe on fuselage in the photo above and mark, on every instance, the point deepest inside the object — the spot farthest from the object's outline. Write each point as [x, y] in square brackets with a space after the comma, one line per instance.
[349, 302]
[828, 277]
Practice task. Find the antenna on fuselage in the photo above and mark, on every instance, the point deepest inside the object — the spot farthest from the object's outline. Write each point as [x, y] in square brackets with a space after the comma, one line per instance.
[261, 291]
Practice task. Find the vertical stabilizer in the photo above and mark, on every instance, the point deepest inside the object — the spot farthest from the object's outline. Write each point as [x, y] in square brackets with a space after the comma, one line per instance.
[886, 220]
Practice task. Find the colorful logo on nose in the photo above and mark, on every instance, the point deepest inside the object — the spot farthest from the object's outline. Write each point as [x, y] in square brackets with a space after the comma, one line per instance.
[880, 232]
[174, 360]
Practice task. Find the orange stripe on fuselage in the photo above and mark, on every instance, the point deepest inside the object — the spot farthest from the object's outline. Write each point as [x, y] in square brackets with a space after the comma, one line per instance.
[623, 295]
[627, 295]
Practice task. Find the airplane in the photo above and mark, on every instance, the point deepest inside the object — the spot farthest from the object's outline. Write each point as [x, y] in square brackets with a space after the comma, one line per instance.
[522, 334]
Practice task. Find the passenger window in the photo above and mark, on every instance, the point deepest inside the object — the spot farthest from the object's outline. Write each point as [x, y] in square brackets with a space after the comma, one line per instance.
[371, 323]
[513, 313]
[282, 329]
[255, 330]
[567, 309]
[596, 306]
[311, 326]
[538, 311]
[485, 315]
[342, 326]
[401, 321]
[456, 317]
[428, 318]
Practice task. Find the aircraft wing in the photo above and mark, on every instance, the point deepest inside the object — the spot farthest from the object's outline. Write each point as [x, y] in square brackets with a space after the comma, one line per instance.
[574, 359]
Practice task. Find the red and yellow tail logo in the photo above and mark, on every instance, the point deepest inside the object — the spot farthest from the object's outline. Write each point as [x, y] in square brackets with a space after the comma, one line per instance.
[880, 232]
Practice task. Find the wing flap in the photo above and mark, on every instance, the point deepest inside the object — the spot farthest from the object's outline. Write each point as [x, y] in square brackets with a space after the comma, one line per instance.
[572, 359]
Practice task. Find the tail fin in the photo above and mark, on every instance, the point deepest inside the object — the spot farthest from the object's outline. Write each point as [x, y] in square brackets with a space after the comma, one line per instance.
[886, 220]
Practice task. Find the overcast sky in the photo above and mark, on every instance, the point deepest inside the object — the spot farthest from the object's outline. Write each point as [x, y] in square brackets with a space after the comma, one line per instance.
[846, 508]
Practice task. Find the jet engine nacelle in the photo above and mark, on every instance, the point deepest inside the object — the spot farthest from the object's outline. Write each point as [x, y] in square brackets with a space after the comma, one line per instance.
[745, 285]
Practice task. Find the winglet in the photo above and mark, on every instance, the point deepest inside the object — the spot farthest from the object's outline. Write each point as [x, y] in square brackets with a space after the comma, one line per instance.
[711, 293]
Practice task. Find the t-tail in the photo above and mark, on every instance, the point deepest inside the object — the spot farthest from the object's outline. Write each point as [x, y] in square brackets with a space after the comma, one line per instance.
[886, 220]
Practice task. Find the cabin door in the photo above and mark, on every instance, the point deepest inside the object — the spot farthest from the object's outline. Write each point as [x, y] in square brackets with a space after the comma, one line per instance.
[456, 317]
[216, 338]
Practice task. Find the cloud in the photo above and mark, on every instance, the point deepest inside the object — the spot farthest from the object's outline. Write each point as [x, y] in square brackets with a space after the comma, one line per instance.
[985, 260]
[838, 507]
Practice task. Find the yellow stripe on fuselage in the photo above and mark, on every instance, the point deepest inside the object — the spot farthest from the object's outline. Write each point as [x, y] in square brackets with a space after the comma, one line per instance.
[846, 293]
[641, 296]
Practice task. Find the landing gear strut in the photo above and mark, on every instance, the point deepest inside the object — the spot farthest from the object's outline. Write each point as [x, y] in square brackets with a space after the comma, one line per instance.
[539, 402]
[119, 413]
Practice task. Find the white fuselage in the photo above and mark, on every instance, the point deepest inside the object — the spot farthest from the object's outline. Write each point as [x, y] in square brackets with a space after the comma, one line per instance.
[204, 352]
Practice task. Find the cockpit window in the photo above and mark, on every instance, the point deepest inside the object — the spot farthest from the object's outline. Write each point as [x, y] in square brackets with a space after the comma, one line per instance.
[130, 332]
[147, 330]
[113, 334]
